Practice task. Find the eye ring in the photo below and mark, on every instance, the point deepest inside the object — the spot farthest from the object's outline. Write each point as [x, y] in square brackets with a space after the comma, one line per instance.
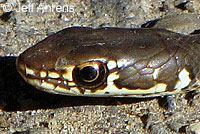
[90, 74]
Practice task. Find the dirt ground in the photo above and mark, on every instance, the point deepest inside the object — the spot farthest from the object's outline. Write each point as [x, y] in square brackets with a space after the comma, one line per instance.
[26, 110]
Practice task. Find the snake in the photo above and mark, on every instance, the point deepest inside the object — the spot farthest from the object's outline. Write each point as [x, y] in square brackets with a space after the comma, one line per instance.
[113, 62]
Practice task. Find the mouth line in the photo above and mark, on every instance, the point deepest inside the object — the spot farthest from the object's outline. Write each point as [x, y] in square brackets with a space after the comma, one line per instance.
[60, 81]
[53, 82]
[47, 80]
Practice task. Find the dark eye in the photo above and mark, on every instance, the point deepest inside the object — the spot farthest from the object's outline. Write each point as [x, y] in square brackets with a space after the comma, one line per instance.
[90, 74]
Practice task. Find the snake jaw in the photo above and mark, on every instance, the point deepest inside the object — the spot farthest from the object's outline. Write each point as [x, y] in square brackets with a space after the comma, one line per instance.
[52, 81]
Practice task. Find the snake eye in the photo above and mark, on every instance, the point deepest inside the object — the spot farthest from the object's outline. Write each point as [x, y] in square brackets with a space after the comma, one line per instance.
[90, 74]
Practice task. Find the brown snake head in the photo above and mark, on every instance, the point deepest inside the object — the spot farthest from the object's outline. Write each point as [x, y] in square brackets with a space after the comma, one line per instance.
[107, 62]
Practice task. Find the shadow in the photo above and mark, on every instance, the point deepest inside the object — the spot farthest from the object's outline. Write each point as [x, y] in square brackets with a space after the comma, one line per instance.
[196, 32]
[16, 94]
[149, 24]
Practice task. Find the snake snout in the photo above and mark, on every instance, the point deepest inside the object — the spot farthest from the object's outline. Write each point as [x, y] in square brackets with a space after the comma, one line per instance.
[44, 75]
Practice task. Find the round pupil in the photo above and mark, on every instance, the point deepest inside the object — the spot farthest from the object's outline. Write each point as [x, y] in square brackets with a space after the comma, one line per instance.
[88, 73]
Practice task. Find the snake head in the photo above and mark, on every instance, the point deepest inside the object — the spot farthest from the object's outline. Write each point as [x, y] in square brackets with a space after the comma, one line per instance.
[62, 64]
[106, 62]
